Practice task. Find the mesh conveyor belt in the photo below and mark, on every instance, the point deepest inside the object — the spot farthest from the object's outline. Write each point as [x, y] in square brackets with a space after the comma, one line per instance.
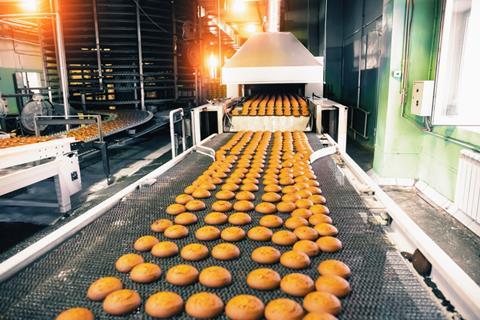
[383, 285]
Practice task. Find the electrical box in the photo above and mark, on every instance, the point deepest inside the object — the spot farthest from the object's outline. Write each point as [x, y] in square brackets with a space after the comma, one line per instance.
[422, 98]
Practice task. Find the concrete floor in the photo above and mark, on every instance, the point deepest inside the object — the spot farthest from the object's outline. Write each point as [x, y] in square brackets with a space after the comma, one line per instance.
[128, 163]
[461, 244]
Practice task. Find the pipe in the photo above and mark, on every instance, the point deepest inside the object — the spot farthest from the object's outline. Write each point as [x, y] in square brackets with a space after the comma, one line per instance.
[140, 60]
[62, 62]
[274, 15]
[97, 44]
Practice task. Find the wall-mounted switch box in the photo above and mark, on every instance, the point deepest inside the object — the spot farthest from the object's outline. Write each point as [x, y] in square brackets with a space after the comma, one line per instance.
[422, 98]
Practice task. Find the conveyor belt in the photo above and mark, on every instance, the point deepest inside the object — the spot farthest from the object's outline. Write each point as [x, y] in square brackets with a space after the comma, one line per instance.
[384, 287]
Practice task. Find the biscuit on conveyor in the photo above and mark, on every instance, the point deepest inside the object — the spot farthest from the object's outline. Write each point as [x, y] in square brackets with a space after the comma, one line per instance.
[243, 205]
[204, 305]
[102, 287]
[295, 260]
[260, 234]
[308, 247]
[176, 231]
[121, 302]
[271, 221]
[194, 252]
[239, 219]
[201, 194]
[221, 206]
[284, 238]
[295, 222]
[334, 267]
[326, 229]
[245, 195]
[216, 218]
[183, 198]
[145, 272]
[126, 262]
[285, 207]
[244, 307]
[164, 304]
[160, 225]
[225, 195]
[266, 208]
[319, 218]
[263, 279]
[282, 309]
[145, 243]
[297, 284]
[195, 205]
[335, 285]
[232, 234]
[76, 314]
[175, 209]
[319, 209]
[266, 255]
[182, 275]
[164, 249]
[225, 251]
[306, 233]
[301, 213]
[322, 302]
[329, 244]
[215, 277]
[186, 218]
[207, 233]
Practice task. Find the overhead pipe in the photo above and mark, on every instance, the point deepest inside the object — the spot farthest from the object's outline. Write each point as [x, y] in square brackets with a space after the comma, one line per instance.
[274, 7]
[97, 44]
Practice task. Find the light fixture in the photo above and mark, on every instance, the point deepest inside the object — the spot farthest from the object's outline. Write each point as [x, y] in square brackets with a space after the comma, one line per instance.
[239, 6]
[212, 65]
[251, 28]
[29, 5]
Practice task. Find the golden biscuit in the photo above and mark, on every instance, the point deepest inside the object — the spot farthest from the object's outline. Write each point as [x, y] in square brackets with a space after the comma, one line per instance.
[271, 221]
[335, 285]
[145, 243]
[207, 233]
[204, 305]
[308, 247]
[186, 218]
[175, 209]
[102, 287]
[334, 267]
[329, 244]
[225, 251]
[164, 249]
[297, 284]
[221, 206]
[182, 275]
[281, 309]
[145, 272]
[232, 234]
[284, 238]
[164, 305]
[216, 218]
[244, 307]
[295, 260]
[76, 314]
[176, 231]
[126, 262]
[322, 302]
[160, 225]
[195, 205]
[194, 252]
[263, 279]
[215, 277]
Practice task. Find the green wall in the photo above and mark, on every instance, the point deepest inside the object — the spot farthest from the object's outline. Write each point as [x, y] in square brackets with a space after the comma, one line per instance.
[403, 148]
[7, 86]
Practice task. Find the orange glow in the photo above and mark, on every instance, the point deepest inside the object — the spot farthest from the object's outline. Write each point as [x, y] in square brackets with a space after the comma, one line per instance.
[29, 5]
[212, 65]
[251, 28]
[239, 6]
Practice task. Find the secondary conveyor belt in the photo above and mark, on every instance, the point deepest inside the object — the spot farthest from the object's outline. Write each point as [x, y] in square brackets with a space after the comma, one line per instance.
[383, 285]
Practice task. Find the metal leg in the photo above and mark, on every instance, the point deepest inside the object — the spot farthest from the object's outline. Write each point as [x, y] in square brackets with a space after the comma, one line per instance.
[103, 147]
[63, 197]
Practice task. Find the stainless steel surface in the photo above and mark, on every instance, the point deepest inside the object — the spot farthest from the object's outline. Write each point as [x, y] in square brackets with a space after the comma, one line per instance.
[272, 57]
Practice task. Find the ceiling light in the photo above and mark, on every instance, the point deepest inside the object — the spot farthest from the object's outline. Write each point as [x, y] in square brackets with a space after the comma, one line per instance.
[29, 5]
[239, 6]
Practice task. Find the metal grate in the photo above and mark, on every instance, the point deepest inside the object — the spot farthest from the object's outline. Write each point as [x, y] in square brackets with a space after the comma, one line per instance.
[383, 285]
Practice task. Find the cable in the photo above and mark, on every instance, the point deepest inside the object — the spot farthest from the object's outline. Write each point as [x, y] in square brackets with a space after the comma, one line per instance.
[148, 17]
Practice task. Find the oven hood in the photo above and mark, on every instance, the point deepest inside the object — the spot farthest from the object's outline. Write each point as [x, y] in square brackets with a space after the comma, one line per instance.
[272, 57]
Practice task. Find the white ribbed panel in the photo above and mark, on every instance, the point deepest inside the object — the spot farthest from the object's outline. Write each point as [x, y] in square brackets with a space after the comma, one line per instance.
[467, 195]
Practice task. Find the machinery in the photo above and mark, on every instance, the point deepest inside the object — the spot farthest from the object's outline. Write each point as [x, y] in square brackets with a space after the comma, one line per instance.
[55, 270]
